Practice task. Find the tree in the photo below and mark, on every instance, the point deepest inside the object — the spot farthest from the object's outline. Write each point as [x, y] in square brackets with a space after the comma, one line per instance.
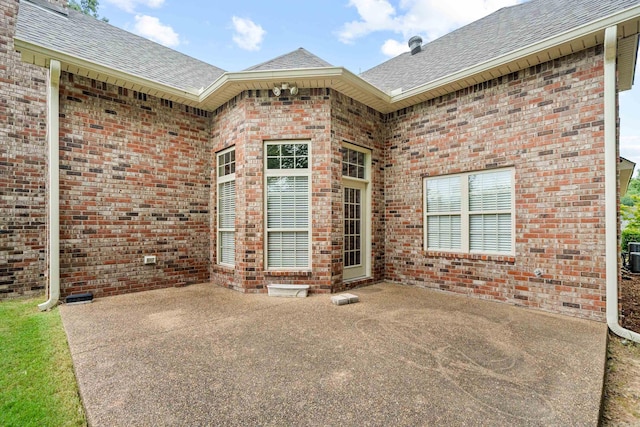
[632, 190]
[88, 7]
[630, 212]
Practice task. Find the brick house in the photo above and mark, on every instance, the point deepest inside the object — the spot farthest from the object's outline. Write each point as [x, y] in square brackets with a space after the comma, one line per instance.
[482, 163]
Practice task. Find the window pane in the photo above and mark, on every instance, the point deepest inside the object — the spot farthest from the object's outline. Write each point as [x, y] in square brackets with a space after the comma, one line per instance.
[226, 222]
[353, 163]
[287, 150]
[490, 232]
[287, 163]
[227, 163]
[288, 249]
[490, 191]
[227, 247]
[273, 150]
[227, 204]
[287, 202]
[302, 162]
[273, 163]
[443, 232]
[301, 150]
[443, 195]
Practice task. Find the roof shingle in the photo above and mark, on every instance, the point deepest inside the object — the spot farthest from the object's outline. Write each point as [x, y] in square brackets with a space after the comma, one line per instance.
[500, 33]
[299, 58]
[81, 36]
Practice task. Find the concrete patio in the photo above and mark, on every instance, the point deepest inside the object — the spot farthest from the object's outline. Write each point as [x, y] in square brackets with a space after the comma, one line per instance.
[206, 355]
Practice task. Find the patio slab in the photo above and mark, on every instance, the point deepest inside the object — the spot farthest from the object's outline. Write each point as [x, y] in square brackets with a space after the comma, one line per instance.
[206, 355]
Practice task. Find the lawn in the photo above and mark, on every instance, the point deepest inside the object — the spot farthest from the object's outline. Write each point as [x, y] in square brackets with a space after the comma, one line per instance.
[37, 383]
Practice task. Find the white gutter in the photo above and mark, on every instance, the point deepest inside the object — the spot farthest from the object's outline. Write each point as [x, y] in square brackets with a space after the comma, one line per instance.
[611, 185]
[53, 134]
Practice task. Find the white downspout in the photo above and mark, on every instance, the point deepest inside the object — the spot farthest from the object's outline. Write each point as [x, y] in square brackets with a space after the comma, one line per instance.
[611, 185]
[53, 130]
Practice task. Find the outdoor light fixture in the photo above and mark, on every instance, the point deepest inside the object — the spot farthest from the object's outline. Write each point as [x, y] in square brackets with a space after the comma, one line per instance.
[277, 90]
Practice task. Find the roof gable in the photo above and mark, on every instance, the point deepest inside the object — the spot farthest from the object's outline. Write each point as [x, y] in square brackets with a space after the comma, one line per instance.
[298, 59]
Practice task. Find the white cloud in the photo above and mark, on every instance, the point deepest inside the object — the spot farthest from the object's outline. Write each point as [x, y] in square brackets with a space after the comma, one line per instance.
[248, 35]
[130, 5]
[151, 28]
[630, 148]
[394, 48]
[428, 18]
[375, 15]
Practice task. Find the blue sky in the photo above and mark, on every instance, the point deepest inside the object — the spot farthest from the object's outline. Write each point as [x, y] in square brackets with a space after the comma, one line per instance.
[355, 34]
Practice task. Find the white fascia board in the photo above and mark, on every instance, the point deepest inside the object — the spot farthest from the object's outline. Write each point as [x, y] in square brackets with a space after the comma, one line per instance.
[291, 76]
[72, 60]
[568, 36]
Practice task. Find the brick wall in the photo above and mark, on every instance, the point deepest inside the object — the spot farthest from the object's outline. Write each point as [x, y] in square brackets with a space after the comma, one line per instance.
[256, 116]
[136, 174]
[134, 181]
[547, 123]
[23, 166]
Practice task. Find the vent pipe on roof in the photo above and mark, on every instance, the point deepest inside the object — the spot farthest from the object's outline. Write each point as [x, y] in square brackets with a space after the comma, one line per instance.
[415, 44]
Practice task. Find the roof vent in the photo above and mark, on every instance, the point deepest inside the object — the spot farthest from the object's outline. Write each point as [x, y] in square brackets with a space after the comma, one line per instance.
[415, 44]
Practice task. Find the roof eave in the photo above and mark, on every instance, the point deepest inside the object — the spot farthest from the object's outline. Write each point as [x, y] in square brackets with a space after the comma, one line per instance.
[231, 84]
[579, 38]
[41, 56]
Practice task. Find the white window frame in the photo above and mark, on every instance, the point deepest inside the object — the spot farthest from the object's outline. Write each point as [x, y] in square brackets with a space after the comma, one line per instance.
[465, 214]
[221, 180]
[271, 173]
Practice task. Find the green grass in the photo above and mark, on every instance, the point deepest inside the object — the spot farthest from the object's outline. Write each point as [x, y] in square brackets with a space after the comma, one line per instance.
[37, 383]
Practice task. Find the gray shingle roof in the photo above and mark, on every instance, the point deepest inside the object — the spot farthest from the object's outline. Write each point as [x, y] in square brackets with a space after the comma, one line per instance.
[504, 31]
[299, 58]
[74, 33]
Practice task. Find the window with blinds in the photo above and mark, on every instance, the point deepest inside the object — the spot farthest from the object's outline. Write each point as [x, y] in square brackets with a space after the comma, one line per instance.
[226, 207]
[471, 212]
[288, 207]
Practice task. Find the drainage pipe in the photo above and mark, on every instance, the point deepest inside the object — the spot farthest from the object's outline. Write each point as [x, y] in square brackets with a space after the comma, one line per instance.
[53, 131]
[611, 185]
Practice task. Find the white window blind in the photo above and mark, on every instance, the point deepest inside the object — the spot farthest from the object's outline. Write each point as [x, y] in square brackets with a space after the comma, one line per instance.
[288, 202]
[470, 212]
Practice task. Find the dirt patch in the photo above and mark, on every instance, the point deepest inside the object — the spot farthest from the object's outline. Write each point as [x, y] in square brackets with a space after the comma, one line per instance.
[630, 301]
[622, 387]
